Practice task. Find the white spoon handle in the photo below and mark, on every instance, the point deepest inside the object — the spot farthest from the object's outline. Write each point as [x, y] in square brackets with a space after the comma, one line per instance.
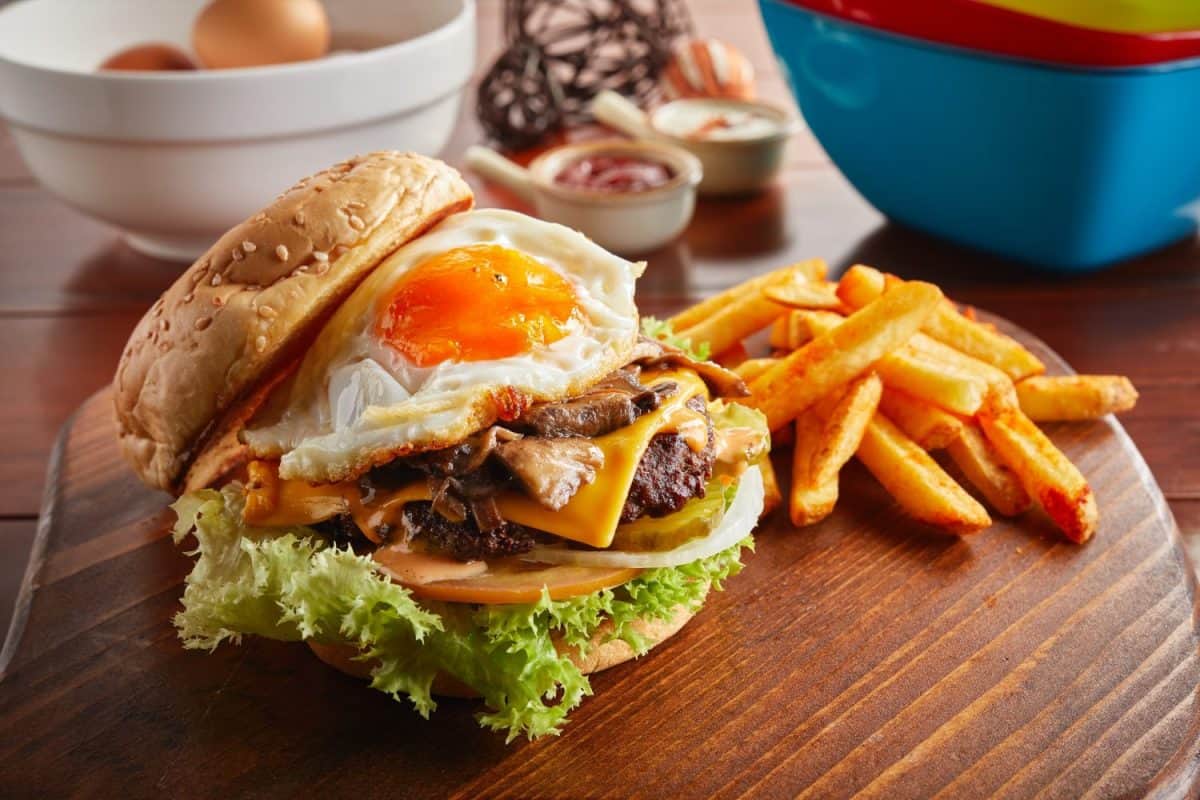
[617, 112]
[495, 167]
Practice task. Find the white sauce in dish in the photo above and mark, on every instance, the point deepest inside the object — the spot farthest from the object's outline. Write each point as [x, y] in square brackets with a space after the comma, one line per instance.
[716, 120]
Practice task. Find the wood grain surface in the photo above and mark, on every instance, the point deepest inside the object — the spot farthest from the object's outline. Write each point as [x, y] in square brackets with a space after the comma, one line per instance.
[791, 674]
[865, 655]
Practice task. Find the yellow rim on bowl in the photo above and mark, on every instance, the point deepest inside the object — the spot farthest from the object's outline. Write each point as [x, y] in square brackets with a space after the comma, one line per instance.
[1144, 16]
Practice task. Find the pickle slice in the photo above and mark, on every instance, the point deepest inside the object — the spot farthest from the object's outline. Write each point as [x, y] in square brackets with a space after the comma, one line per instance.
[698, 518]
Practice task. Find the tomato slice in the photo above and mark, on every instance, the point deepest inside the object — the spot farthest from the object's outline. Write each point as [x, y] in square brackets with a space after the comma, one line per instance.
[517, 582]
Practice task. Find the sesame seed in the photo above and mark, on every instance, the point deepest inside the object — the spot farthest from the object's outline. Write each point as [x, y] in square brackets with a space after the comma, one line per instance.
[266, 312]
[249, 246]
[356, 222]
[260, 343]
[320, 255]
[189, 297]
[201, 323]
[281, 252]
[237, 254]
[216, 279]
[299, 218]
[322, 268]
[164, 325]
[301, 268]
[356, 204]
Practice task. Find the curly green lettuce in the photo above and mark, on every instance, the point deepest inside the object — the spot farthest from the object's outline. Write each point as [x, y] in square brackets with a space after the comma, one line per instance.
[662, 330]
[293, 584]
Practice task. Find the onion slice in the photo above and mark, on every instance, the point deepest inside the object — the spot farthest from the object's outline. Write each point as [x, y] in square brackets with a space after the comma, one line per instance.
[740, 518]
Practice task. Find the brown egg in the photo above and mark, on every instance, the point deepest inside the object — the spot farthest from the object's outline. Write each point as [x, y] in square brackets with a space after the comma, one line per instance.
[250, 33]
[149, 57]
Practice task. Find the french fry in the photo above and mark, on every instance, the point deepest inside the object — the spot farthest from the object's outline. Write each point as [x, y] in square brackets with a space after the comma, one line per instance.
[1075, 397]
[844, 417]
[772, 497]
[804, 295]
[813, 269]
[951, 387]
[734, 322]
[924, 423]
[943, 385]
[751, 368]
[984, 343]
[861, 284]
[982, 466]
[781, 336]
[800, 326]
[1047, 475]
[826, 438]
[919, 485]
[732, 357]
[809, 500]
[943, 353]
[842, 354]
[804, 326]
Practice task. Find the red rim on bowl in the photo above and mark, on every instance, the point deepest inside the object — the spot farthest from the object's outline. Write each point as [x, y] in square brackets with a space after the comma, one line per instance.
[991, 29]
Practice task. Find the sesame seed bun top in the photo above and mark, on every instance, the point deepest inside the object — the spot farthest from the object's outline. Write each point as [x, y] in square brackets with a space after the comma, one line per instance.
[207, 352]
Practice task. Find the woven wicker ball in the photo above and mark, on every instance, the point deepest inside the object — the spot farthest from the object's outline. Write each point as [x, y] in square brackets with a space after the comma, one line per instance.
[561, 53]
[519, 102]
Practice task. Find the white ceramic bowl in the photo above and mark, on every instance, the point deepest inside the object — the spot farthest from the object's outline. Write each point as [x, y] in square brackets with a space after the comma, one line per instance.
[177, 158]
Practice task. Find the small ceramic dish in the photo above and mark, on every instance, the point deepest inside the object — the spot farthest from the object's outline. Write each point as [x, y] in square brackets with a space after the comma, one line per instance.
[626, 222]
[740, 143]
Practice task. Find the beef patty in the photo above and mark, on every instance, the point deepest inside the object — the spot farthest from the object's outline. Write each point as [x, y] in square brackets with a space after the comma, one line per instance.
[669, 475]
[464, 540]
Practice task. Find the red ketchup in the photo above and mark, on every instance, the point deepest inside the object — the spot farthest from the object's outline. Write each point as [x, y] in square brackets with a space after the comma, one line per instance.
[614, 174]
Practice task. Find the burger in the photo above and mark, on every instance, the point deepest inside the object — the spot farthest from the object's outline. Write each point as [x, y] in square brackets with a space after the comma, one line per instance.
[434, 444]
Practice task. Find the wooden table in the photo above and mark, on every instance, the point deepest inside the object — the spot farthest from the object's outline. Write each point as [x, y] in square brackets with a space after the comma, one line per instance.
[71, 290]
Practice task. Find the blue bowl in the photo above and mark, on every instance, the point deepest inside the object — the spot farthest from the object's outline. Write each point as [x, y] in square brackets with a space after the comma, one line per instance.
[1066, 168]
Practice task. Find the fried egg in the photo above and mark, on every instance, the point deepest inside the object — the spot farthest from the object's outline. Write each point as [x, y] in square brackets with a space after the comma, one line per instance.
[487, 313]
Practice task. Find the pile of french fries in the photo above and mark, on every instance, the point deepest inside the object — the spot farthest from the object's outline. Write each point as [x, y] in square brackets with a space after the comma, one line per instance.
[891, 372]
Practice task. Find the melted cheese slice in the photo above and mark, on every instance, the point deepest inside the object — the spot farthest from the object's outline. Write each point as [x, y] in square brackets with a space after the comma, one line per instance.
[590, 517]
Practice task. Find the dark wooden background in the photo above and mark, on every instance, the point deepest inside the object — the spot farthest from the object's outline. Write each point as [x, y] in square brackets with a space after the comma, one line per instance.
[71, 290]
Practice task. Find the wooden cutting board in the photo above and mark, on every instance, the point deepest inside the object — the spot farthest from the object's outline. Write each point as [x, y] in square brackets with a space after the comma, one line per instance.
[864, 655]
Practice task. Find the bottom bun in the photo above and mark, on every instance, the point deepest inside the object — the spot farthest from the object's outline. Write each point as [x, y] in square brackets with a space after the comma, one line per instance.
[601, 654]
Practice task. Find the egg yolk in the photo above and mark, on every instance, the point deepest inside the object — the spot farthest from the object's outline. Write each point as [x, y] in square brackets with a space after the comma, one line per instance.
[476, 303]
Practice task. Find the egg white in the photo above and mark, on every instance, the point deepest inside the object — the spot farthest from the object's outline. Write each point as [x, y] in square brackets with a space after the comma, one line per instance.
[356, 402]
